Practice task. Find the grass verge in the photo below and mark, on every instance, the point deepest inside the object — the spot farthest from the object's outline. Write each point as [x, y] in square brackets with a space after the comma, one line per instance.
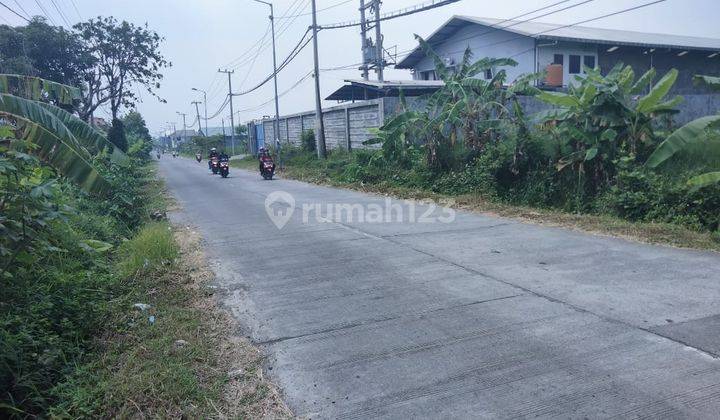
[652, 233]
[167, 350]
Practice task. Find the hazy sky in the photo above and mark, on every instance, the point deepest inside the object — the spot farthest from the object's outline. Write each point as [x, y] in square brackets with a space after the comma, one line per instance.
[204, 35]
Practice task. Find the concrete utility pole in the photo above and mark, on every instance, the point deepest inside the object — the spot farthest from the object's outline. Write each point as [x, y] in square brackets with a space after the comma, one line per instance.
[363, 35]
[197, 111]
[379, 54]
[205, 105]
[184, 127]
[232, 117]
[319, 126]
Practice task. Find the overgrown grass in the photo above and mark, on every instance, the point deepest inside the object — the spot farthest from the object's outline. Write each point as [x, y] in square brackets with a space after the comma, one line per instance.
[341, 169]
[141, 369]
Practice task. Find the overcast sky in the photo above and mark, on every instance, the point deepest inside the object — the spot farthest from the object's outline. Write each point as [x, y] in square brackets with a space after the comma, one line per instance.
[204, 35]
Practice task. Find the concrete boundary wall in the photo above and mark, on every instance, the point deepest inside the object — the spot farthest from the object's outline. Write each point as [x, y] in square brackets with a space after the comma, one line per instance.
[347, 126]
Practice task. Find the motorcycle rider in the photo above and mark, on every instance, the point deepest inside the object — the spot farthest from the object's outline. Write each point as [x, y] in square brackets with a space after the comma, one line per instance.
[213, 153]
[264, 156]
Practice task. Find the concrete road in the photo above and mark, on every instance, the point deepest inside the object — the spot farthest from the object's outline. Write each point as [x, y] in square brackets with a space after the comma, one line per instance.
[479, 317]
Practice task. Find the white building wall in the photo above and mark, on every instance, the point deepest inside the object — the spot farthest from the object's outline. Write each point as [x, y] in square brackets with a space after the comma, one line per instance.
[547, 50]
[485, 42]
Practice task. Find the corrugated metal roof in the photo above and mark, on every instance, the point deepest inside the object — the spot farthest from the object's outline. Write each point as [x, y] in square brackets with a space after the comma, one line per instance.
[540, 30]
[371, 89]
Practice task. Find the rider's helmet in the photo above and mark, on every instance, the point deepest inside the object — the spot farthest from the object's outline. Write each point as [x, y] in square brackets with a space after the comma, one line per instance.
[213, 150]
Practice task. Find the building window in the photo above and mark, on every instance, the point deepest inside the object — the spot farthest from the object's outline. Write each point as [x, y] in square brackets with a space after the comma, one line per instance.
[574, 64]
[488, 74]
[589, 61]
[558, 59]
[427, 75]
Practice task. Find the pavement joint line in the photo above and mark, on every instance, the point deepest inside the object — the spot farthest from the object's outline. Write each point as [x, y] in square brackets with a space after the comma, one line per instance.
[383, 319]
[535, 293]
[569, 305]
[430, 232]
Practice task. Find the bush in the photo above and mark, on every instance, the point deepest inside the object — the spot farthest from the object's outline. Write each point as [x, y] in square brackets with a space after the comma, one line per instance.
[307, 141]
[151, 248]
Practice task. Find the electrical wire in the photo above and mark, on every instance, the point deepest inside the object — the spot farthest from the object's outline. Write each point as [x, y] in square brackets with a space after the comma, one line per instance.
[294, 53]
[23, 9]
[496, 27]
[323, 9]
[45, 13]
[62, 15]
[77, 11]
[16, 13]
[629, 9]
[422, 7]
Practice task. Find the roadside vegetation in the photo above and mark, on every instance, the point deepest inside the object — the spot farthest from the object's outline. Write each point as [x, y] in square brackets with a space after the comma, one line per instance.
[605, 158]
[102, 311]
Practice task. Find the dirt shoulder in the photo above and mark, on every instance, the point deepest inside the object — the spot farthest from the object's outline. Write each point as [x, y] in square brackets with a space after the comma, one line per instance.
[247, 393]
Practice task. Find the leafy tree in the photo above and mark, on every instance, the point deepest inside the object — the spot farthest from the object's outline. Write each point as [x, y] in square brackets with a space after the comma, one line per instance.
[126, 56]
[135, 126]
[39, 49]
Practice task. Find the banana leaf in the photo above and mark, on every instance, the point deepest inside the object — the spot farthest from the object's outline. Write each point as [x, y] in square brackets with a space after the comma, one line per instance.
[658, 92]
[53, 142]
[92, 139]
[704, 180]
[692, 132]
[35, 88]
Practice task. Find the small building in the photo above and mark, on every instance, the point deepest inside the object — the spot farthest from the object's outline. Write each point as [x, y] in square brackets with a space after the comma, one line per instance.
[565, 50]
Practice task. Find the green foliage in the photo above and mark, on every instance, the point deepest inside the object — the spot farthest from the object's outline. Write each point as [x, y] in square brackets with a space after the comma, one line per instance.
[126, 56]
[149, 250]
[307, 140]
[117, 136]
[598, 122]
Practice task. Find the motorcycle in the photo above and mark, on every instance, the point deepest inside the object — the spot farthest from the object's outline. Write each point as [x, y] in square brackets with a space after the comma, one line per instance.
[198, 157]
[267, 169]
[224, 168]
[175, 154]
[214, 165]
[158, 155]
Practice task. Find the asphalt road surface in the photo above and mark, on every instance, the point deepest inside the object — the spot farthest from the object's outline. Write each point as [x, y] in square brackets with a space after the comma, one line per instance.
[479, 317]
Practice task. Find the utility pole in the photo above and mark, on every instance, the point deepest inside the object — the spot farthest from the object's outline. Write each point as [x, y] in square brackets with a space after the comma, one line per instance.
[364, 39]
[184, 127]
[379, 54]
[232, 117]
[197, 111]
[205, 105]
[319, 126]
[276, 122]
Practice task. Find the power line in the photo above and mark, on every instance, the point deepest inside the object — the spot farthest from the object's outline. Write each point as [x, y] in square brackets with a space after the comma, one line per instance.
[294, 53]
[77, 11]
[496, 27]
[422, 7]
[62, 15]
[45, 13]
[16, 13]
[321, 10]
[629, 9]
[23, 9]
[285, 92]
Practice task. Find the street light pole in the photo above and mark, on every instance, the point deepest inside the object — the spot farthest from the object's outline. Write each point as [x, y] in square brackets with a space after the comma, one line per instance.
[205, 105]
[276, 122]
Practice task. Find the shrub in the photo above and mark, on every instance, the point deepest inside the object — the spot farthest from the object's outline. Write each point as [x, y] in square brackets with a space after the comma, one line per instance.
[307, 141]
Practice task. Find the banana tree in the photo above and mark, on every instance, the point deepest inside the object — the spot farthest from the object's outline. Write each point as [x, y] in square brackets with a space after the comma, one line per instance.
[694, 132]
[476, 109]
[55, 136]
[601, 117]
